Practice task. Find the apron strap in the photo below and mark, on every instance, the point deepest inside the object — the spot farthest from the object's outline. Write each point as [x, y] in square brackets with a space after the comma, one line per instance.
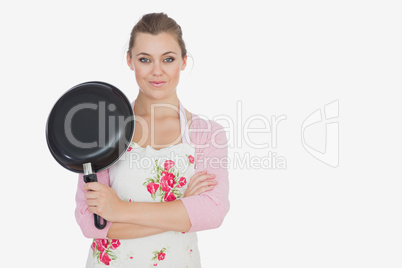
[184, 125]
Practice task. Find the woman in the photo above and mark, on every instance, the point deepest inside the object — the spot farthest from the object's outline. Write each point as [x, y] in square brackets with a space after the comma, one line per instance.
[154, 208]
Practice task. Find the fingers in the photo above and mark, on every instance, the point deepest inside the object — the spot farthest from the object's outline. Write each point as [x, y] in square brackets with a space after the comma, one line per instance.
[92, 186]
[195, 176]
[91, 195]
[200, 182]
[92, 202]
[203, 187]
[95, 203]
[200, 177]
[95, 210]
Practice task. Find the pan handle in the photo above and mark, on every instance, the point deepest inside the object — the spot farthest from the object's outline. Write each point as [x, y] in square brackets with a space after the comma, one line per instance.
[97, 220]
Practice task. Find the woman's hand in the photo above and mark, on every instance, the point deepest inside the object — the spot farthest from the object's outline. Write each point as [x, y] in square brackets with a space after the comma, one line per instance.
[200, 182]
[103, 201]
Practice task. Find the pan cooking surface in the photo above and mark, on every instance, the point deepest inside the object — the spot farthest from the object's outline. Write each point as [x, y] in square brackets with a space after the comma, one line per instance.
[92, 122]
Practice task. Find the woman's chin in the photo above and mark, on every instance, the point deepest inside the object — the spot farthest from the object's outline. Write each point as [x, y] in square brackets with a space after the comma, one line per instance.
[158, 93]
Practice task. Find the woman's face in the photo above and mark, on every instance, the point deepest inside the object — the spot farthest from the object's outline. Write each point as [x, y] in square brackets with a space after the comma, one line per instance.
[157, 62]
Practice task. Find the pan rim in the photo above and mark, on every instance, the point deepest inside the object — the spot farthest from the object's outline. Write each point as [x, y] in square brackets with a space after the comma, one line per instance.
[126, 144]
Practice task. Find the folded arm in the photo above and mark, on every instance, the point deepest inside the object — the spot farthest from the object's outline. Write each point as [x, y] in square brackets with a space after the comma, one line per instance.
[137, 219]
[127, 220]
[208, 210]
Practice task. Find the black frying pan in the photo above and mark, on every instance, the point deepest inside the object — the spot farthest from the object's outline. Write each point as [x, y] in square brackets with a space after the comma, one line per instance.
[89, 128]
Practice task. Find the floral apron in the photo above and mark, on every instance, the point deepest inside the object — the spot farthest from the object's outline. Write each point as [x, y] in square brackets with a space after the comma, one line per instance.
[149, 175]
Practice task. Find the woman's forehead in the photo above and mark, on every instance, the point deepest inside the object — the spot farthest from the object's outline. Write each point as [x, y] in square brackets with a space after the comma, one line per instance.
[155, 44]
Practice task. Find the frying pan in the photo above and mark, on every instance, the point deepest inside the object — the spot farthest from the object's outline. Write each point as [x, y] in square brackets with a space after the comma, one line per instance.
[89, 128]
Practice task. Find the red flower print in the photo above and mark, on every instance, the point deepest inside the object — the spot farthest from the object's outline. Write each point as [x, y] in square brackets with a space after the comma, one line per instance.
[115, 244]
[161, 256]
[104, 258]
[191, 159]
[168, 164]
[129, 149]
[182, 182]
[169, 196]
[152, 187]
[102, 244]
[167, 181]
[103, 249]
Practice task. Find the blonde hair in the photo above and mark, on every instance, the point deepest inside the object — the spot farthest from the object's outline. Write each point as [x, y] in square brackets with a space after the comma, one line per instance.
[155, 23]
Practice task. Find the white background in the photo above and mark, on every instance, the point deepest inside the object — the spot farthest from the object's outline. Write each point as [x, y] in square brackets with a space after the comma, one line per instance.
[275, 57]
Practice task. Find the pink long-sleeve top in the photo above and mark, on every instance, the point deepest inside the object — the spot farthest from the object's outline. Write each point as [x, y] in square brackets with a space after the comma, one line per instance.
[207, 210]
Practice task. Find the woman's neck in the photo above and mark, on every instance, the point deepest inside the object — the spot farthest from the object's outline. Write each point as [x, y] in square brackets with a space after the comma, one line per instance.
[157, 108]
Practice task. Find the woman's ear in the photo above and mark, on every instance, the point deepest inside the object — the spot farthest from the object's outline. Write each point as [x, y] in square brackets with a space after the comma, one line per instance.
[184, 64]
[130, 61]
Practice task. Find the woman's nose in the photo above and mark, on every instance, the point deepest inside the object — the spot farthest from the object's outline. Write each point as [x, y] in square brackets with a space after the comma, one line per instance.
[157, 70]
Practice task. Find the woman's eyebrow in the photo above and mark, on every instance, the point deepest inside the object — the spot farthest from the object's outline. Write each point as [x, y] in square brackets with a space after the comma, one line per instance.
[169, 53]
[146, 54]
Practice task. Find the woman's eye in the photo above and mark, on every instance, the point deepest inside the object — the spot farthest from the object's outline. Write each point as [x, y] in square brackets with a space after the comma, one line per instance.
[145, 60]
[170, 59]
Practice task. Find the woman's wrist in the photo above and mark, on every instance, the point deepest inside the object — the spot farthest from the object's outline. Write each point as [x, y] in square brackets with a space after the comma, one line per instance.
[155, 215]
[124, 213]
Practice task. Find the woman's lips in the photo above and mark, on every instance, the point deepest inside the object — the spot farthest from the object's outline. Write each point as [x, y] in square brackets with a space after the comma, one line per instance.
[157, 83]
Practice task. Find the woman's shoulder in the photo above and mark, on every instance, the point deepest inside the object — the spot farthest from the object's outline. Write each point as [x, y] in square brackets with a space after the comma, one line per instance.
[204, 130]
[200, 123]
